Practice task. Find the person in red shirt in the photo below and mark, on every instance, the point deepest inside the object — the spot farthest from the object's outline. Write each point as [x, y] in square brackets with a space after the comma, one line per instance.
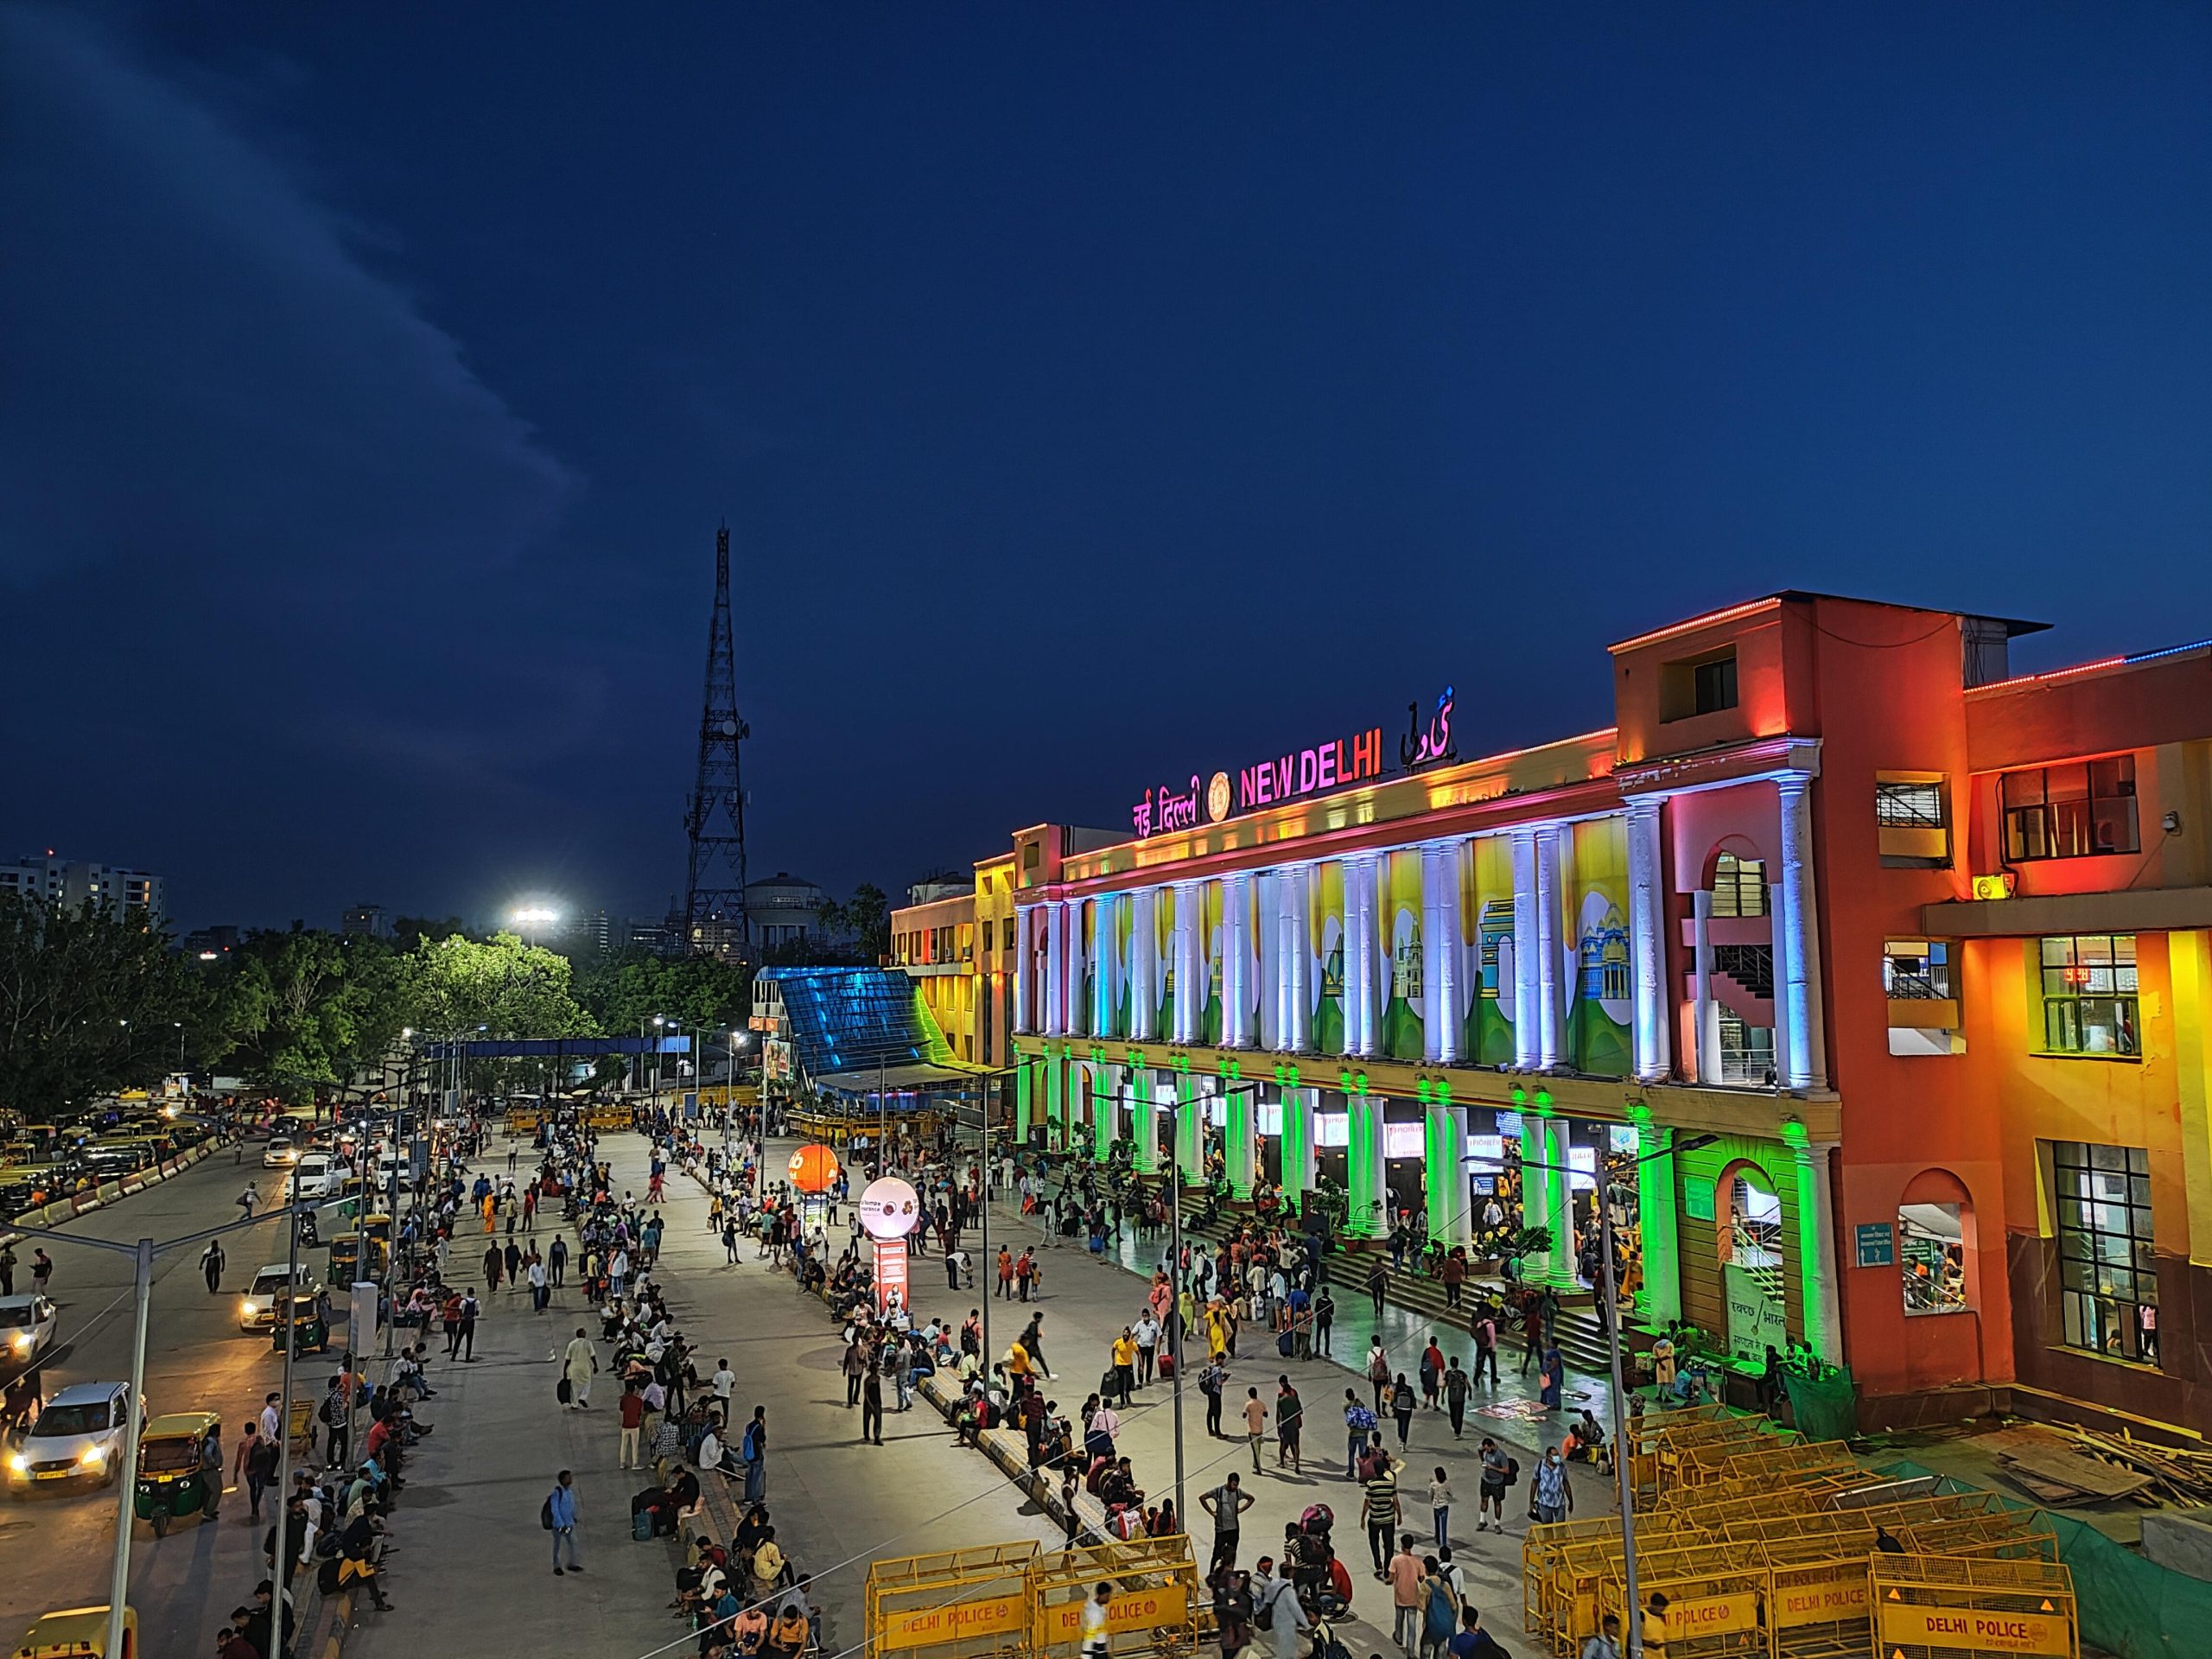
[633, 1417]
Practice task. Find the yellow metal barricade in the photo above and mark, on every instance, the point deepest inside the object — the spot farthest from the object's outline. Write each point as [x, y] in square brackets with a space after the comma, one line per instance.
[1154, 1608]
[957, 1603]
[1716, 1600]
[1944, 1607]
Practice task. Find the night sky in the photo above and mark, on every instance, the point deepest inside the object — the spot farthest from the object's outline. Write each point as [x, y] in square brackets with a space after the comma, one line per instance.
[1095, 394]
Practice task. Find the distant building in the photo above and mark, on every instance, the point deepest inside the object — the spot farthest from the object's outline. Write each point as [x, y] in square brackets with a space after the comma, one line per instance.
[783, 909]
[370, 919]
[71, 882]
[594, 932]
[649, 936]
[210, 943]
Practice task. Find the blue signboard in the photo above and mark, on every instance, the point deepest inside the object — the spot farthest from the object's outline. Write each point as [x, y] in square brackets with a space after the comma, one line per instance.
[1878, 1244]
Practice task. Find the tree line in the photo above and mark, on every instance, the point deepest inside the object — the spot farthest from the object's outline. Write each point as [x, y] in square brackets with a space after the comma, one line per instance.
[92, 1002]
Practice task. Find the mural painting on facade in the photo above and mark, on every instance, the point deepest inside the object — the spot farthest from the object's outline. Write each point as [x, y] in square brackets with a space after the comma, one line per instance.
[1111, 997]
[1599, 1033]
[1324, 966]
[1486, 928]
[1210, 902]
[1404, 1014]
[1751, 1271]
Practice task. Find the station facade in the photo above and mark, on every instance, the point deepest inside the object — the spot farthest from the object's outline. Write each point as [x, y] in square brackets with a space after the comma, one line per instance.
[1870, 976]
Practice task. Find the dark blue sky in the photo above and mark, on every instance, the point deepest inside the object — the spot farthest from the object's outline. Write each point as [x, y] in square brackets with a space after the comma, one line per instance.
[1091, 392]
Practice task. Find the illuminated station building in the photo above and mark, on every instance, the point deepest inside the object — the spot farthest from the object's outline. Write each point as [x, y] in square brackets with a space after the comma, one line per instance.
[1924, 946]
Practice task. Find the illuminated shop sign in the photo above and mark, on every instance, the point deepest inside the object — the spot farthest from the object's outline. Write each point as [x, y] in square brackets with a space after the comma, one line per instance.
[1315, 771]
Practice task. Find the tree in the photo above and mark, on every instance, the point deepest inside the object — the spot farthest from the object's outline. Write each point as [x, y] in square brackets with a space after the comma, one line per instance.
[868, 917]
[623, 992]
[499, 986]
[90, 1002]
[310, 1010]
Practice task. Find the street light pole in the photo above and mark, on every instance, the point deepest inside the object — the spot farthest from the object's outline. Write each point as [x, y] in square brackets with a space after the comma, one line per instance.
[118, 1581]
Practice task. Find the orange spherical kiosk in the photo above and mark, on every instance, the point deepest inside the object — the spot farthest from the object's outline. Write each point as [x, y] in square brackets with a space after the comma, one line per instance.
[814, 1168]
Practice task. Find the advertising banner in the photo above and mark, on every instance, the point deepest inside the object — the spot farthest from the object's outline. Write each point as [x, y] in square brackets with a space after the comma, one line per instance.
[890, 1273]
[1972, 1630]
[1405, 1008]
[1325, 968]
[1756, 1320]
[1486, 929]
[1598, 1020]
[929, 1627]
[1133, 1610]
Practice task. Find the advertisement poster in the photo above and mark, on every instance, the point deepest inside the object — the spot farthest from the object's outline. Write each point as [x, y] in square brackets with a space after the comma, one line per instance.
[1486, 928]
[1403, 1011]
[1755, 1320]
[1325, 968]
[1600, 1018]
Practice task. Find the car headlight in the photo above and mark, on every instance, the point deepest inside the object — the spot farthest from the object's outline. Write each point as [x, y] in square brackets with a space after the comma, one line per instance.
[92, 1456]
[23, 1339]
[19, 1462]
[248, 1309]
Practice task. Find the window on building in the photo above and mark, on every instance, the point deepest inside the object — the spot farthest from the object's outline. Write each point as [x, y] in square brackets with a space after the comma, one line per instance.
[1931, 1243]
[1009, 933]
[1908, 806]
[1739, 886]
[1751, 966]
[2108, 1277]
[2089, 995]
[2081, 811]
[1746, 1051]
[1698, 685]
[1918, 970]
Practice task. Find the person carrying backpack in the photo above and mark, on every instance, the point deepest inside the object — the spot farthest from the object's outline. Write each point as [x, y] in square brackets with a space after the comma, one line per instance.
[558, 1516]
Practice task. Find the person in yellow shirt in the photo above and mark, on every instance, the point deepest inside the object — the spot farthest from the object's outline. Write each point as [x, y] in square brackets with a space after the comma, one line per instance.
[1017, 1361]
[1654, 1626]
[1125, 1363]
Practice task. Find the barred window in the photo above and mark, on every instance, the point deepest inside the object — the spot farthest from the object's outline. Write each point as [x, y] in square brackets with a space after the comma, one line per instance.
[2089, 995]
[2107, 1275]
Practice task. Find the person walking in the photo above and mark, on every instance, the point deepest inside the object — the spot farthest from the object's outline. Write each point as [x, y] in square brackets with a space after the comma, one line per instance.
[1290, 1420]
[556, 1261]
[211, 1469]
[1378, 1370]
[469, 1309]
[854, 1365]
[1440, 1506]
[1554, 1497]
[1408, 1595]
[754, 1451]
[1384, 1511]
[1324, 1314]
[1484, 1331]
[1552, 1378]
[1401, 1408]
[42, 1271]
[559, 1516]
[1256, 1424]
[210, 1265]
[1489, 1497]
[243, 1468]
[579, 1361]
[632, 1410]
[1456, 1384]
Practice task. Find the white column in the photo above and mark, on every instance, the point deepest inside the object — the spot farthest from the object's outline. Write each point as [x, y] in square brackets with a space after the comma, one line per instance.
[1297, 928]
[1445, 1022]
[1300, 1103]
[1552, 1004]
[1799, 917]
[1359, 956]
[1647, 942]
[1144, 968]
[1269, 990]
[1232, 962]
[1703, 1007]
[1055, 970]
[1527, 1000]
[1025, 988]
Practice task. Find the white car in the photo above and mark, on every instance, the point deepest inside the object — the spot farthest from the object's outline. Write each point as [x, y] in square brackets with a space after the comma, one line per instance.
[79, 1436]
[258, 1308]
[314, 1177]
[27, 1327]
[279, 1154]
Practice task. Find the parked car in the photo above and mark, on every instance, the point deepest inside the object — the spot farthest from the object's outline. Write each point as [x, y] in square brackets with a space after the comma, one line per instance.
[78, 1436]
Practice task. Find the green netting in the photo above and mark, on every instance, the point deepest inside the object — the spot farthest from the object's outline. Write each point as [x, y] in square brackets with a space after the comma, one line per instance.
[1823, 1407]
[2129, 1606]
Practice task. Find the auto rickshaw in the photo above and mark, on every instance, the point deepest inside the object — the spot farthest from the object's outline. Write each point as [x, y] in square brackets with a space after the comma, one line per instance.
[307, 1327]
[171, 1482]
[77, 1633]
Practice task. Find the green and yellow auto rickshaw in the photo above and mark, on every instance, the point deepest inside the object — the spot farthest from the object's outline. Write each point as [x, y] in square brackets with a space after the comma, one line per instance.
[171, 1481]
[302, 1321]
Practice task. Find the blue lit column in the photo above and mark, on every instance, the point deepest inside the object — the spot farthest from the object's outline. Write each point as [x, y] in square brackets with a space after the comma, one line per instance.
[1024, 977]
[1078, 960]
[1799, 919]
[1056, 968]
[1144, 967]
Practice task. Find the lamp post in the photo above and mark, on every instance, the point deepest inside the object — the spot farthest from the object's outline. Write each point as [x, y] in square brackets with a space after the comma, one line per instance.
[1634, 1633]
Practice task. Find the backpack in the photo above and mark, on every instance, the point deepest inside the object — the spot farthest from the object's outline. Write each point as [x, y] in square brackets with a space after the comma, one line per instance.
[1512, 1471]
[545, 1513]
[1443, 1616]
